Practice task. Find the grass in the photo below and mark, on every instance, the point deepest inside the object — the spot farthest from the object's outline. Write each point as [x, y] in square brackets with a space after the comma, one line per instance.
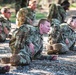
[13, 17]
[40, 15]
[73, 5]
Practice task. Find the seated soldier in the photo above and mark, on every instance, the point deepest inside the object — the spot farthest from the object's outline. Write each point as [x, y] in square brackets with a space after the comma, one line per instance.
[66, 40]
[26, 42]
[5, 23]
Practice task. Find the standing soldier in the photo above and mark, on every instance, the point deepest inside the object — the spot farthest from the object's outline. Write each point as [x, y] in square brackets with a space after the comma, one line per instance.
[20, 4]
[5, 23]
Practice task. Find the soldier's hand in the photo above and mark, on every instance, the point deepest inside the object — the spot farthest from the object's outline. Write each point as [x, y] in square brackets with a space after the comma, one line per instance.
[6, 30]
[67, 41]
[54, 57]
[31, 46]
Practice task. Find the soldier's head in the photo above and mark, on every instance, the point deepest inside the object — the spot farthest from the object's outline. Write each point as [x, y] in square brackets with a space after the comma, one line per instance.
[22, 18]
[33, 4]
[72, 22]
[6, 12]
[65, 5]
[44, 26]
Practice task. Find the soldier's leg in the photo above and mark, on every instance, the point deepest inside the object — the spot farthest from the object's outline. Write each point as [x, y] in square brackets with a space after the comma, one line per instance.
[40, 56]
[22, 58]
[64, 49]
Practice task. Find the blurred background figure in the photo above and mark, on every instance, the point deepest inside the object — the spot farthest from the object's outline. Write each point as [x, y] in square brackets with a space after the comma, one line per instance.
[65, 4]
[20, 4]
[5, 23]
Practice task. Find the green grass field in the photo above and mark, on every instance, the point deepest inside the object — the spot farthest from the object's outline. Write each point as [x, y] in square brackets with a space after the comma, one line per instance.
[73, 5]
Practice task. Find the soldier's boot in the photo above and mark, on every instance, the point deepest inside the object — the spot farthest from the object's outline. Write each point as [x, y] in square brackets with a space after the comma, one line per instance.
[50, 49]
[15, 60]
[57, 47]
[5, 60]
[4, 69]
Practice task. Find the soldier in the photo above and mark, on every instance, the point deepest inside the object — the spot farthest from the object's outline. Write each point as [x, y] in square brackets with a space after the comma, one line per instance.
[26, 42]
[67, 38]
[56, 11]
[20, 4]
[5, 23]
[32, 6]
[65, 4]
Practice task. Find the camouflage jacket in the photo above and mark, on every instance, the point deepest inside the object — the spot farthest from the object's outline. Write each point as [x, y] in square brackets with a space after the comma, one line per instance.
[56, 11]
[31, 14]
[4, 23]
[67, 32]
[21, 39]
[54, 32]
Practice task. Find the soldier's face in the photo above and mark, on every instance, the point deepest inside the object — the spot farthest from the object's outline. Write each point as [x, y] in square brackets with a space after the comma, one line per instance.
[33, 5]
[7, 14]
[73, 24]
[45, 28]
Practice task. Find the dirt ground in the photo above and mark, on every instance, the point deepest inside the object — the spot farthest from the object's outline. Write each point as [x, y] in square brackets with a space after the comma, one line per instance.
[64, 65]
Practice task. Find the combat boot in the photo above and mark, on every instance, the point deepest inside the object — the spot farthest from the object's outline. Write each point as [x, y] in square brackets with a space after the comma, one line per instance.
[49, 49]
[14, 60]
[5, 60]
[57, 47]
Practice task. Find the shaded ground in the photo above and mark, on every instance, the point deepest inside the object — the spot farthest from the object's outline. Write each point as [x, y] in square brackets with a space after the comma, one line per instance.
[64, 65]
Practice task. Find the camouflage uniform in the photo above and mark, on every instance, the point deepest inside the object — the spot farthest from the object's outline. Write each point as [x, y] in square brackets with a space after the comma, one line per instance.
[54, 36]
[59, 45]
[31, 14]
[56, 11]
[67, 32]
[19, 45]
[20, 4]
[4, 23]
